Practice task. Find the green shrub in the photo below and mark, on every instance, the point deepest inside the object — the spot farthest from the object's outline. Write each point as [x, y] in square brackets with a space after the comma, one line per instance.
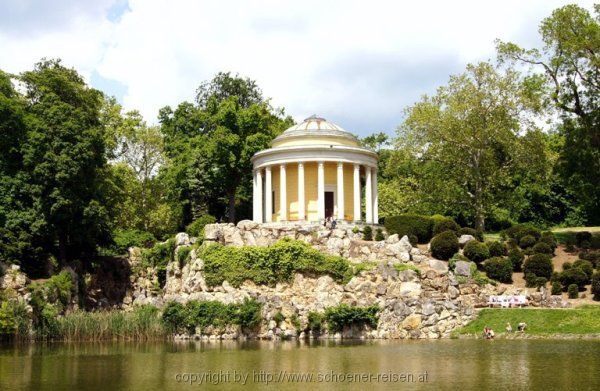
[539, 265]
[344, 315]
[556, 288]
[527, 241]
[455, 258]
[542, 248]
[248, 314]
[132, 238]
[315, 321]
[533, 281]
[8, 324]
[499, 269]
[477, 234]
[174, 317]
[595, 242]
[596, 285]
[517, 232]
[413, 240]
[567, 265]
[585, 266]
[582, 237]
[476, 251]
[497, 249]
[278, 318]
[196, 227]
[368, 233]
[575, 276]
[516, 257]
[57, 290]
[410, 224]
[570, 248]
[158, 257]
[445, 224]
[269, 265]
[183, 255]
[379, 235]
[202, 314]
[573, 291]
[549, 238]
[591, 255]
[444, 245]
[400, 267]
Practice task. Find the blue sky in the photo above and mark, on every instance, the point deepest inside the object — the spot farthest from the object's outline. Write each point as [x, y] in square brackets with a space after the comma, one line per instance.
[356, 63]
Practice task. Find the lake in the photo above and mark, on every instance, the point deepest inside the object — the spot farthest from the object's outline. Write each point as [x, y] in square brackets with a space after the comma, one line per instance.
[442, 364]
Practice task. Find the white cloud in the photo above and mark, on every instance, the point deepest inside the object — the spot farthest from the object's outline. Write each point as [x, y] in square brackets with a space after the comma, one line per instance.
[357, 63]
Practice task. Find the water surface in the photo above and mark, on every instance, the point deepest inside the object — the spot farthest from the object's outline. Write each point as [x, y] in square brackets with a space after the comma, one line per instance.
[443, 364]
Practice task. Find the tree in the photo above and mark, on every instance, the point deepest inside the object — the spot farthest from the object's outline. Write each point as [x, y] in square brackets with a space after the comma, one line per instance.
[569, 61]
[467, 136]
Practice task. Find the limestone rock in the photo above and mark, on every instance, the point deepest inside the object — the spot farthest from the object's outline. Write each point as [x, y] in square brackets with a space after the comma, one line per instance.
[464, 239]
[462, 268]
[182, 239]
[411, 322]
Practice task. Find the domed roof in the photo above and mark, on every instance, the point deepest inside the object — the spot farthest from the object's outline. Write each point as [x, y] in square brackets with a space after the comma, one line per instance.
[315, 126]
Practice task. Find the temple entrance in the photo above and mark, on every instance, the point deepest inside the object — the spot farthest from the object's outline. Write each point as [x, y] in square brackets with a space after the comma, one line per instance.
[329, 204]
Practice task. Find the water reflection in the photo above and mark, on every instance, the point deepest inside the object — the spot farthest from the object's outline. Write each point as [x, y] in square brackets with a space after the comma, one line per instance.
[450, 364]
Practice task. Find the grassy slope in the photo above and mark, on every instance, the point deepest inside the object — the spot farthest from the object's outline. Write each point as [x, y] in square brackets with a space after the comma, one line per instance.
[581, 320]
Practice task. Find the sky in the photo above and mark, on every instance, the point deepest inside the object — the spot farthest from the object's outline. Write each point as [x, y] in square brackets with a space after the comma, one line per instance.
[355, 63]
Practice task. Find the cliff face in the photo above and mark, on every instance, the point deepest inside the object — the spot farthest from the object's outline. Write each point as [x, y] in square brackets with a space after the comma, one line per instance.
[429, 303]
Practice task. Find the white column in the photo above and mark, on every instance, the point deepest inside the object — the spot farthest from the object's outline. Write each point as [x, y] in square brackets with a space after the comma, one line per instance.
[340, 191]
[268, 195]
[356, 192]
[375, 198]
[254, 198]
[282, 194]
[321, 191]
[369, 198]
[301, 205]
[259, 198]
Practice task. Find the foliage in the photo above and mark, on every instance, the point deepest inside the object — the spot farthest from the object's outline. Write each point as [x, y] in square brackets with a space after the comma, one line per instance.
[400, 267]
[499, 269]
[158, 257]
[445, 224]
[497, 249]
[368, 233]
[527, 241]
[269, 265]
[379, 235]
[183, 255]
[573, 291]
[410, 224]
[582, 237]
[533, 281]
[596, 285]
[476, 251]
[344, 315]
[516, 257]
[539, 265]
[455, 258]
[196, 227]
[542, 248]
[278, 318]
[315, 321]
[575, 276]
[517, 232]
[586, 266]
[444, 245]
[477, 234]
[131, 238]
[556, 288]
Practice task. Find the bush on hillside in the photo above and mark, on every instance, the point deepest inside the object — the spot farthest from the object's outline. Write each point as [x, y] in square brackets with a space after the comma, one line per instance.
[575, 276]
[499, 269]
[125, 238]
[410, 224]
[476, 251]
[596, 285]
[591, 255]
[573, 291]
[527, 241]
[517, 232]
[539, 265]
[445, 224]
[368, 233]
[549, 238]
[196, 227]
[344, 315]
[583, 237]
[413, 240]
[516, 258]
[471, 231]
[379, 235]
[542, 248]
[497, 249]
[585, 266]
[556, 288]
[444, 245]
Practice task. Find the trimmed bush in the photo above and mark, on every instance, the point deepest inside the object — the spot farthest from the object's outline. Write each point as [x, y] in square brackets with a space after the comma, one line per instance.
[567, 265]
[533, 281]
[471, 231]
[368, 233]
[539, 265]
[517, 232]
[444, 245]
[549, 238]
[269, 265]
[476, 251]
[527, 241]
[196, 227]
[499, 269]
[556, 288]
[174, 317]
[583, 237]
[413, 240]
[443, 225]
[596, 285]
[125, 238]
[379, 235]
[344, 315]
[585, 266]
[410, 224]
[542, 248]
[591, 255]
[575, 276]
[315, 321]
[497, 249]
[516, 257]
[573, 291]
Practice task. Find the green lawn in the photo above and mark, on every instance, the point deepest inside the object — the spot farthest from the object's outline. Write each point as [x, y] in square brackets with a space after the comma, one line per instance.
[580, 320]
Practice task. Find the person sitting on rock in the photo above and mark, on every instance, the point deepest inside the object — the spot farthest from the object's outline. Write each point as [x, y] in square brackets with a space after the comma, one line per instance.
[521, 327]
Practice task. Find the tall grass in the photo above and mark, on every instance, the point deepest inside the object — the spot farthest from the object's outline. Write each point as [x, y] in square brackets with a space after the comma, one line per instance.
[143, 323]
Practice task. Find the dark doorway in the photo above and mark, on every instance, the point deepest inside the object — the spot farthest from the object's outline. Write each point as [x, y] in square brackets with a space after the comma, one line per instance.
[328, 204]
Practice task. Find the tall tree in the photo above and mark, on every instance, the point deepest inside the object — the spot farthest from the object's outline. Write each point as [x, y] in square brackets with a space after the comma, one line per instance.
[569, 61]
[467, 135]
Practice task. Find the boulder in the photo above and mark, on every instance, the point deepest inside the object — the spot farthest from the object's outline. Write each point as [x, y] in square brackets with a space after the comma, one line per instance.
[247, 225]
[182, 239]
[439, 266]
[464, 239]
[463, 268]
[411, 322]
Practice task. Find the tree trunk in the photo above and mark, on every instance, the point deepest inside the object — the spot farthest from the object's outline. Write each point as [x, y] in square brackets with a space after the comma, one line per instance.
[231, 194]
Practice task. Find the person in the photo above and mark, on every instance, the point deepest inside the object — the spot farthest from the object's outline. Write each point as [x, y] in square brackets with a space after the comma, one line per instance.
[508, 327]
[521, 327]
[488, 333]
[333, 223]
